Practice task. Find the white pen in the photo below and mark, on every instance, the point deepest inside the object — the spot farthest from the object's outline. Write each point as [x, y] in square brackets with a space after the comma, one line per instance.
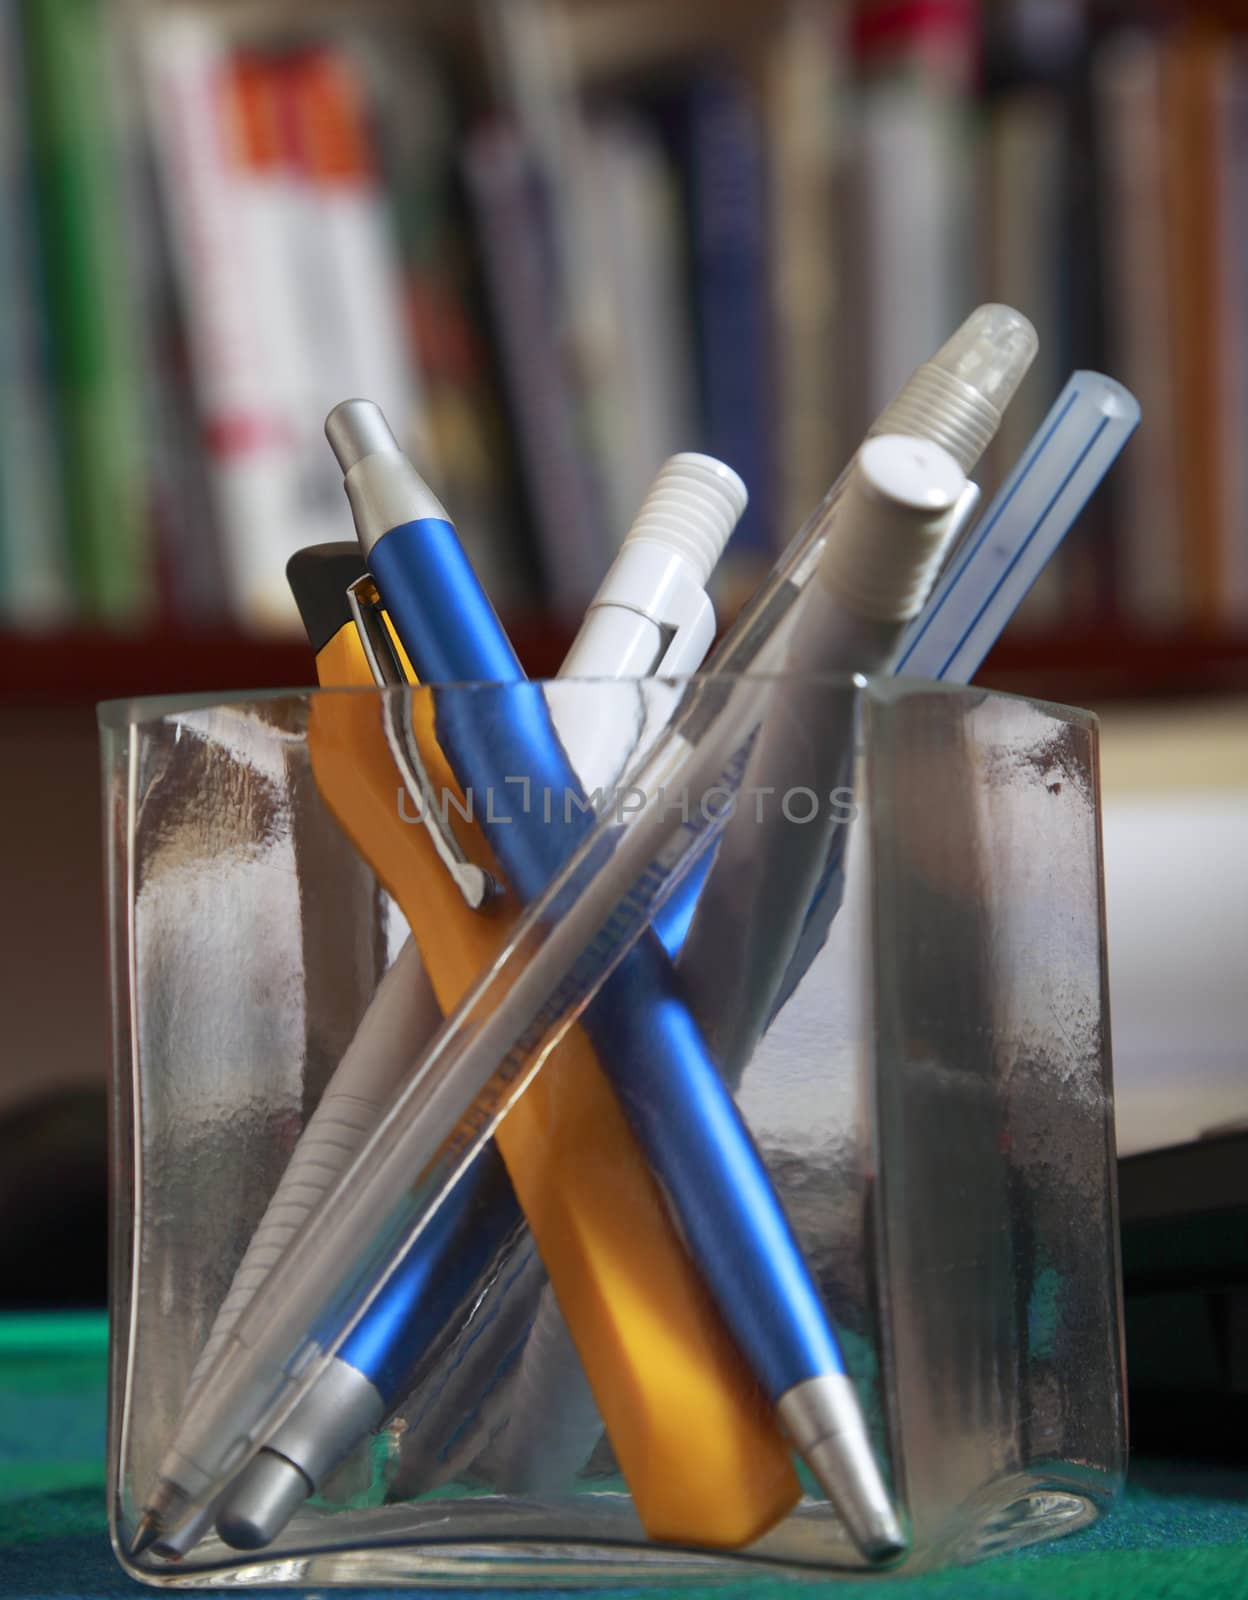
[651, 617]
[905, 502]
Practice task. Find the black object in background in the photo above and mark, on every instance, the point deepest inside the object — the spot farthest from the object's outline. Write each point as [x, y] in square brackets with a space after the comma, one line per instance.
[54, 1203]
[1184, 1216]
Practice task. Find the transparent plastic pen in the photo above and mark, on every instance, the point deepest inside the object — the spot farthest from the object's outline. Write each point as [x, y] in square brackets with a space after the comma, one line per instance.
[993, 569]
[956, 399]
[1031, 514]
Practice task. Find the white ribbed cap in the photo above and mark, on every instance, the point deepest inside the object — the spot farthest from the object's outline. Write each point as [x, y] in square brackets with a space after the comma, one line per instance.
[958, 397]
[693, 505]
[891, 527]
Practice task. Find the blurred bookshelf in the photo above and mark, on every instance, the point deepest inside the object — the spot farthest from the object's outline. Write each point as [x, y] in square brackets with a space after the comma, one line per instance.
[75, 668]
[79, 667]
[562, 238]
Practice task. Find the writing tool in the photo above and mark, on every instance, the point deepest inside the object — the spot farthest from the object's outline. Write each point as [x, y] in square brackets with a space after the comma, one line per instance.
[645, 1037]
[375, 1367]
[956, 399]
[360, 1386]
[904, 504]
[650, 618]
[1032, 512]
[991, 571]
[651, 615]
[558, 950]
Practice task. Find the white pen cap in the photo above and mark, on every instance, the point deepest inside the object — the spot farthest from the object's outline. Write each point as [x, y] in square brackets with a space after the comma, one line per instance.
[959, 396]
[652, 613]
[691, 509]
[892, 528]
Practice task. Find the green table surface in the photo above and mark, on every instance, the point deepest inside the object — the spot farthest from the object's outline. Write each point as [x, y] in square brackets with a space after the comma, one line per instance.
[1178, 1531]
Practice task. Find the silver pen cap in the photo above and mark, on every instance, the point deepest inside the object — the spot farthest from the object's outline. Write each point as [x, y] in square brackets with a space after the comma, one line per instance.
[383, 487]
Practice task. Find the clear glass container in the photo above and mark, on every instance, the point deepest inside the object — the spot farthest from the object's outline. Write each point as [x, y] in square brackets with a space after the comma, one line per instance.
[930, 1091]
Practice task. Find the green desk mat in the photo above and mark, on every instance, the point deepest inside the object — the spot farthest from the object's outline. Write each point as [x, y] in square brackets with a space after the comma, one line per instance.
[1178, 1532]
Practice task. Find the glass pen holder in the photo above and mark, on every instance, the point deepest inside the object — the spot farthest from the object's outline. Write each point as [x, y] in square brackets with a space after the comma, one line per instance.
[879, 907]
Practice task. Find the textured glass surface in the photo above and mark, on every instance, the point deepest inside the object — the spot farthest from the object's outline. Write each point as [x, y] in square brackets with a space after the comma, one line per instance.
[932, 1099]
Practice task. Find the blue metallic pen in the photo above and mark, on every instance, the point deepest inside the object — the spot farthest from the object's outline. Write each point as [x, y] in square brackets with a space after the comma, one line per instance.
[505, 750]
[376, 1365]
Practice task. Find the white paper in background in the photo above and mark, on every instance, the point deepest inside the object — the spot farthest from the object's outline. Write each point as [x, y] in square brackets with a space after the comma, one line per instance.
[1176, 884]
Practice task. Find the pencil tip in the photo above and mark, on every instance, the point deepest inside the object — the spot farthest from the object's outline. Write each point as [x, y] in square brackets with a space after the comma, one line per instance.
[146, 1534]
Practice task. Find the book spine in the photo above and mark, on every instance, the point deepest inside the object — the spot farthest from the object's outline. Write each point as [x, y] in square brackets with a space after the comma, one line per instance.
[910, 181]
[459, 425]
[96, 353]
[728, 212]
[1192, 209]
[344, 282]
[205, 139]
[806, 130]
[1231, 168]
[558, 469]
[1137, 261]
[647, 380]
[1024, 168]
[35, 584]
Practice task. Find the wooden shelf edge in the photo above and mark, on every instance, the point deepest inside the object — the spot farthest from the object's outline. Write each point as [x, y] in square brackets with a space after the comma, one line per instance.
[1079, 666]
[82, 666]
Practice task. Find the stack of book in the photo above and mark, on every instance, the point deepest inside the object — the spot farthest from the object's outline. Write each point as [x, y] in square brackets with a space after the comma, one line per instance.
[557, 269]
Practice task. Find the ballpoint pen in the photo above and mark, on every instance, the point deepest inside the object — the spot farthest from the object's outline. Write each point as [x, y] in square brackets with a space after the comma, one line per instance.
[1032, 512]
[674, 1381]
[668, 1085]
[558, 953]
[904, 503]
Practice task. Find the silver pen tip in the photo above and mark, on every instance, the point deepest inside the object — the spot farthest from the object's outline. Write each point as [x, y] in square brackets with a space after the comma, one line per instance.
[146, 1534]
[163, 1509]
[358, 428]
[851, 1482]
[822, 1419]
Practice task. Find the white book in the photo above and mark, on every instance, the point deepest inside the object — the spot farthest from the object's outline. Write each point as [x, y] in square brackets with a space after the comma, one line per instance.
[646, 376]
[343, 284]
[235, 299]
[909, 179]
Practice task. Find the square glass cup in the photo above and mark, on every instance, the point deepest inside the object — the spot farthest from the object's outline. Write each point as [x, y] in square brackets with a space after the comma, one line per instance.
[924, 1069]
